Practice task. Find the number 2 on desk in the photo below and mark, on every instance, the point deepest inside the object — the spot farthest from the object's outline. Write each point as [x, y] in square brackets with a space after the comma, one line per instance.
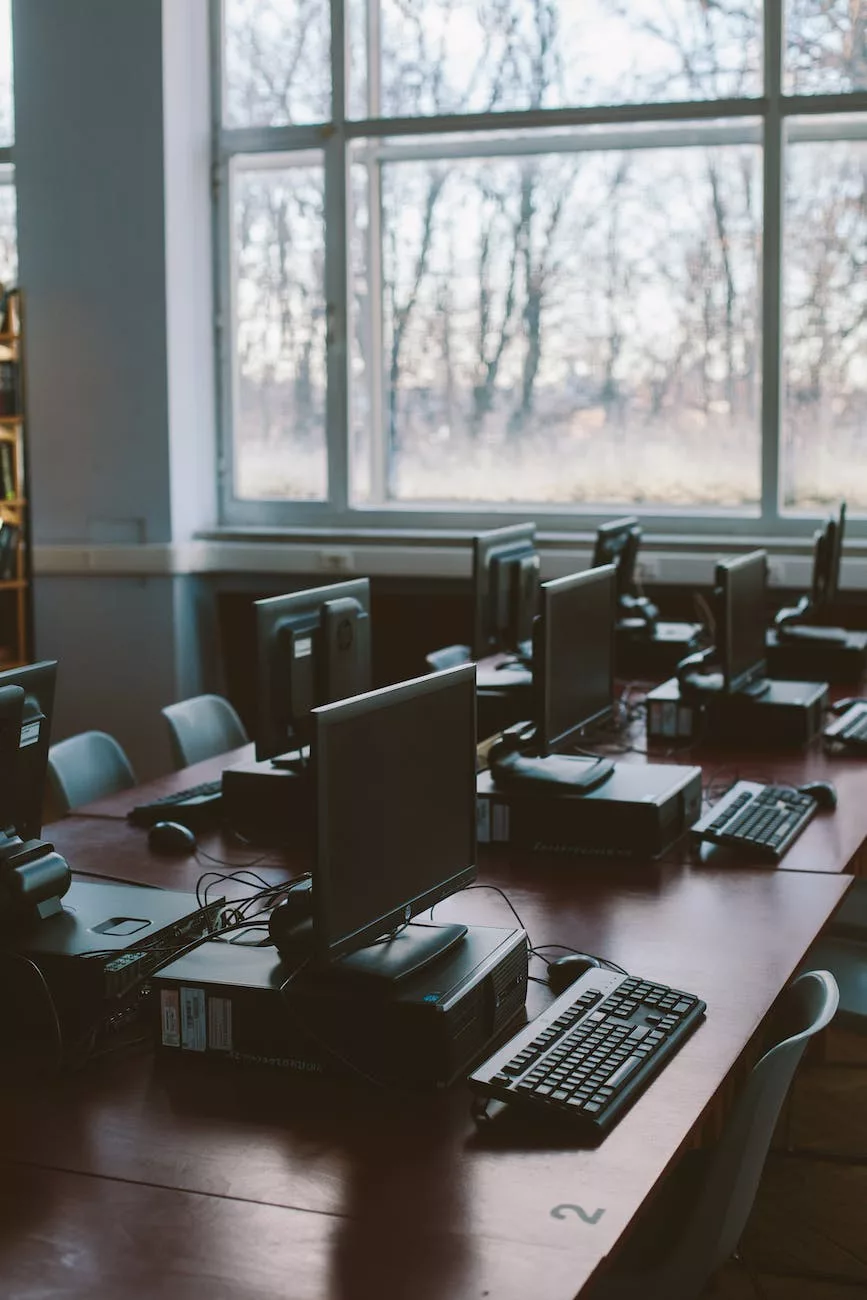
[560, 1212]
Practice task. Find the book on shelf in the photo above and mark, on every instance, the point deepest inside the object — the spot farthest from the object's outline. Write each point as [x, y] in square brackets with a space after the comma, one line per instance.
[9, 387]
[9, 534]
[10, 310]
[8, 490]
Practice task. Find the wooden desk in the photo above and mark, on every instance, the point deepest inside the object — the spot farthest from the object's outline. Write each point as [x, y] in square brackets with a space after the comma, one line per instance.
[138, 1177]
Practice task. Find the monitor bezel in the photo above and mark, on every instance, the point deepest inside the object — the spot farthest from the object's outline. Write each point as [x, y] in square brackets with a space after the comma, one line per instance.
[629, 528]
[836, 530]
[504, 542]
[28, 676]
[325, 718]
[723, 574]
[269, 613]
[545, 743]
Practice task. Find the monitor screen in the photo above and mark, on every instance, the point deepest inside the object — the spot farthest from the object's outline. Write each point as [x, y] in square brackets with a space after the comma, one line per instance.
[742, 619]
[395, 774]
[505, 589]
[617, 543]
[573, 655]
[313, 647]
[38, 682]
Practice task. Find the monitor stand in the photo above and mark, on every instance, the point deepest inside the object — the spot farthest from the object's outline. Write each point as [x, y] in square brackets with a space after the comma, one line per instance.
[405, 954]
[575, 774]
[294, 760]
[33, 879]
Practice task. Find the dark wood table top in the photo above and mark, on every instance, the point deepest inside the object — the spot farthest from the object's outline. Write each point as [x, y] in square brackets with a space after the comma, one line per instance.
[239, 1181]
[831, 843]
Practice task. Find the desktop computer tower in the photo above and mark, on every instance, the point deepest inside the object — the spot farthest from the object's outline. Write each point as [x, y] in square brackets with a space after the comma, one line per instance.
[224, 1001]
[787, 716]
[840, 661]
[645, 652]
[269, 806]
[96, 953]
[638, 812]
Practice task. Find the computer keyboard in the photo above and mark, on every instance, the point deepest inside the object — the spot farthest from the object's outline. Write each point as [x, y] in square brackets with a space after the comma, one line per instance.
[592, 1052]
[194, 807]
[762, 819]
[849, 730]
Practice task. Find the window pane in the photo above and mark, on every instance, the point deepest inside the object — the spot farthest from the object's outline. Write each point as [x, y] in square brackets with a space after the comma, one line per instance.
[277, 62]
[457, 56]
[826, 46]
[279, 294]
[7, 121]
[560, 327]
[825, 322]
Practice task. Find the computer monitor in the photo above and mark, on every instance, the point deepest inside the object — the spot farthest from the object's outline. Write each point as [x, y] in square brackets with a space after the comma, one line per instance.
[617, 543]
[33, 877]
[741, 597]
[395, 777]
[38, 682]
[827, 555]
[505, 590]
[573, 656]
[313, 647]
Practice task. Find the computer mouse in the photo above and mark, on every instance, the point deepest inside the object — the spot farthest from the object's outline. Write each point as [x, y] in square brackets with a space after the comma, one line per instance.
[171, 840]
[564, 971]
[824, 792]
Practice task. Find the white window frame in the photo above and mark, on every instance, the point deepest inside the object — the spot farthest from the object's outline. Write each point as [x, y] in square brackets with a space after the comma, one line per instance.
[727, 121]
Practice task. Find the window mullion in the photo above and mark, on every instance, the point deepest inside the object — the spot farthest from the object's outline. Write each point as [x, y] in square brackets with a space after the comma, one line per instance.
[336, 271]
[772, 252]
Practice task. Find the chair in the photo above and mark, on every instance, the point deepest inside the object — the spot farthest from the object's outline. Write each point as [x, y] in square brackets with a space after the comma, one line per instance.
[695, 1223]
[86, 767]
[450, 656]
[202, 727]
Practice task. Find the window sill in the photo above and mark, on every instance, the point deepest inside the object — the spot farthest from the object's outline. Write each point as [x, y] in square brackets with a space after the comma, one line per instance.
[334, 553]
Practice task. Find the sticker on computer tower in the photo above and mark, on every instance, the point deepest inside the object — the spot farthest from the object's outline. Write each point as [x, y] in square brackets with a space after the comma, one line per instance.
[194, 1021]
[500, 823]
[171, 1018]
[30, 732]
[303, 647]
[220, 1024]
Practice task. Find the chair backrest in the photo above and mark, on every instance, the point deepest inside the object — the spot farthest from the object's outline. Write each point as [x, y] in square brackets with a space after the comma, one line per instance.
[449, 656]
[202, 727]
[728, 1192]
[86, 767]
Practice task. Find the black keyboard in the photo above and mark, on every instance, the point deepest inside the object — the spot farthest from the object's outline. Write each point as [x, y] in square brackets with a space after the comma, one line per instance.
[849, 731]
[762, 819]
[194, 807]
[593, 1051]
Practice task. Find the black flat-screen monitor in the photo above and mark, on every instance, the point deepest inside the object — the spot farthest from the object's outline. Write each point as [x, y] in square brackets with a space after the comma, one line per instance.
[38, 683]
[573, 656]
[617, 543]
[742, 620]
[505, 590]
[827, 555]
[313, 647]
[395, 777]
[11, 712]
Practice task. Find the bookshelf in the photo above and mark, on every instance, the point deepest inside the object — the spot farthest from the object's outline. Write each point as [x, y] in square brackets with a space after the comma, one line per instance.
[15, 569]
